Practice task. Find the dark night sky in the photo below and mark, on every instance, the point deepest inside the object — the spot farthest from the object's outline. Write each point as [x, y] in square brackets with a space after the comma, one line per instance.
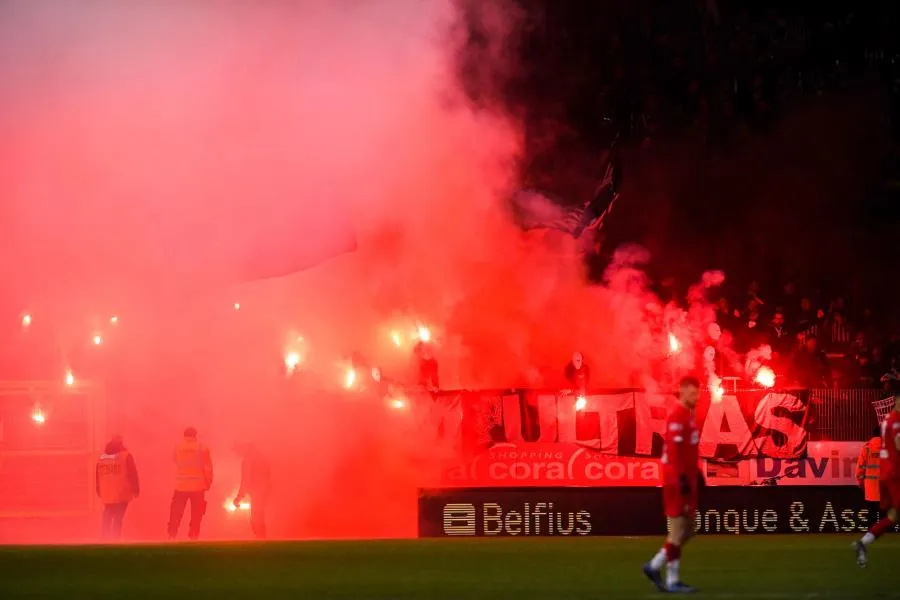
[736, 166]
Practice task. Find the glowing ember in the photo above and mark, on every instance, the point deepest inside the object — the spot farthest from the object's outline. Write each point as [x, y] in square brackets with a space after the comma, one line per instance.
[395, 337]
[424, 333]
[113, 320]
[765, 377]
[37, 415]
[26, 320]
[70, 378]
[230, 507]
[581, 403]
[97, 340]
[674, 344]
[291, 361]
[350, 378]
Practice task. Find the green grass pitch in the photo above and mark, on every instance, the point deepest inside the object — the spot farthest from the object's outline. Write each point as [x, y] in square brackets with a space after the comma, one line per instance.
[763, 567]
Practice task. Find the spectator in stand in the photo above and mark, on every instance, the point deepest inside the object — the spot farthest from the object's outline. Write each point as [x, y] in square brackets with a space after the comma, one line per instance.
[790, 305]
[426, 367]
[809, 318]
[891, 379]
[578, 374]
[878, 364]
[726, 318]
[864, 376]
[753, 299]
[838, 333]
[777, 335]
[811, 368]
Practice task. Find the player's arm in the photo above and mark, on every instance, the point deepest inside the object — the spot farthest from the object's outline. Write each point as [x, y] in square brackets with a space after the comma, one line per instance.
[675, 445]
[896, 434]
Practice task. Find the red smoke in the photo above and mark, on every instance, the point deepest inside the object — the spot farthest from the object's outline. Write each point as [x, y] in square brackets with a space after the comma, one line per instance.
[154, 149]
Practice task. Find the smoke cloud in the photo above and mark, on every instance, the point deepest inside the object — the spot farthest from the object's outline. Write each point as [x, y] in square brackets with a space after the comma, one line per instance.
[153, 150]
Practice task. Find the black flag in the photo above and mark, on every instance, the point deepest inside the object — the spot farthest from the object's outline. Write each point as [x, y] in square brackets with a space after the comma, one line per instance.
[534, 209]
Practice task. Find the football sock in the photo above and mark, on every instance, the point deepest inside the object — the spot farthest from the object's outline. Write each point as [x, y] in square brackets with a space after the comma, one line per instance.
[673, 569]
[659, 560]
[877, 530]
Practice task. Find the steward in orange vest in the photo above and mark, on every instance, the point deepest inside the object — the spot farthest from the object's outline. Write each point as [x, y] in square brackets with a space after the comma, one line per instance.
[868, 469]
[117, 485]
[193, 478]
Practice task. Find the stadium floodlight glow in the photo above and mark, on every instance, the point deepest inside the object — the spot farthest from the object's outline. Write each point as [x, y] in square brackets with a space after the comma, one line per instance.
[580, 403]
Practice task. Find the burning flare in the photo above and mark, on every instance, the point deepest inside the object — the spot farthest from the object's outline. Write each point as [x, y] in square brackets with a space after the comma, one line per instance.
[580, 403]
[291, 361]
[26, 321]
[423, 333]
[350, 378]
[37, 415]
[395, 337]
[70, 378]
[765, 377]
[674, 344]
[230, 507]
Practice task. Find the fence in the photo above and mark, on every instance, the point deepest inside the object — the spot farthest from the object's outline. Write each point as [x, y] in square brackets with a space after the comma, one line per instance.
[48, 438]
[843, 415]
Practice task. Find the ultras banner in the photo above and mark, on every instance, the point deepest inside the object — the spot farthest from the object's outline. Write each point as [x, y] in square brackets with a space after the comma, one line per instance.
[628, 423]
[637, 511]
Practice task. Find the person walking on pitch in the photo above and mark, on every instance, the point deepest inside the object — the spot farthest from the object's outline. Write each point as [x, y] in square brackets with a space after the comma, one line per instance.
[681, 473]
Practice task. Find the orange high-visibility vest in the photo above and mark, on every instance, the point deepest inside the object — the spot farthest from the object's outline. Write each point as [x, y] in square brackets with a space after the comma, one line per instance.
[868, 468]
[112, 478]
[193, 467]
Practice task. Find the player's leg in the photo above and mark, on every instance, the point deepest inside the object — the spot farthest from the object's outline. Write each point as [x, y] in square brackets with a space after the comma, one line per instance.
[890, 508]
[681, 529]
[653, 569]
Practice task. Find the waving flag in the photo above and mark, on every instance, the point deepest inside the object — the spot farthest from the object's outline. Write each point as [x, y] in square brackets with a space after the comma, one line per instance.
[534, 209]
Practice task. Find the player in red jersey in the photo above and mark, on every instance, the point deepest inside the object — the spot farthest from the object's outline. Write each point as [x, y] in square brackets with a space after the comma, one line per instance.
[681, 474]
[889, 484]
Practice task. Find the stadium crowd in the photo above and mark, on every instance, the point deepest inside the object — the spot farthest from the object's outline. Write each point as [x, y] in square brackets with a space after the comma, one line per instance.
[815, 342]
